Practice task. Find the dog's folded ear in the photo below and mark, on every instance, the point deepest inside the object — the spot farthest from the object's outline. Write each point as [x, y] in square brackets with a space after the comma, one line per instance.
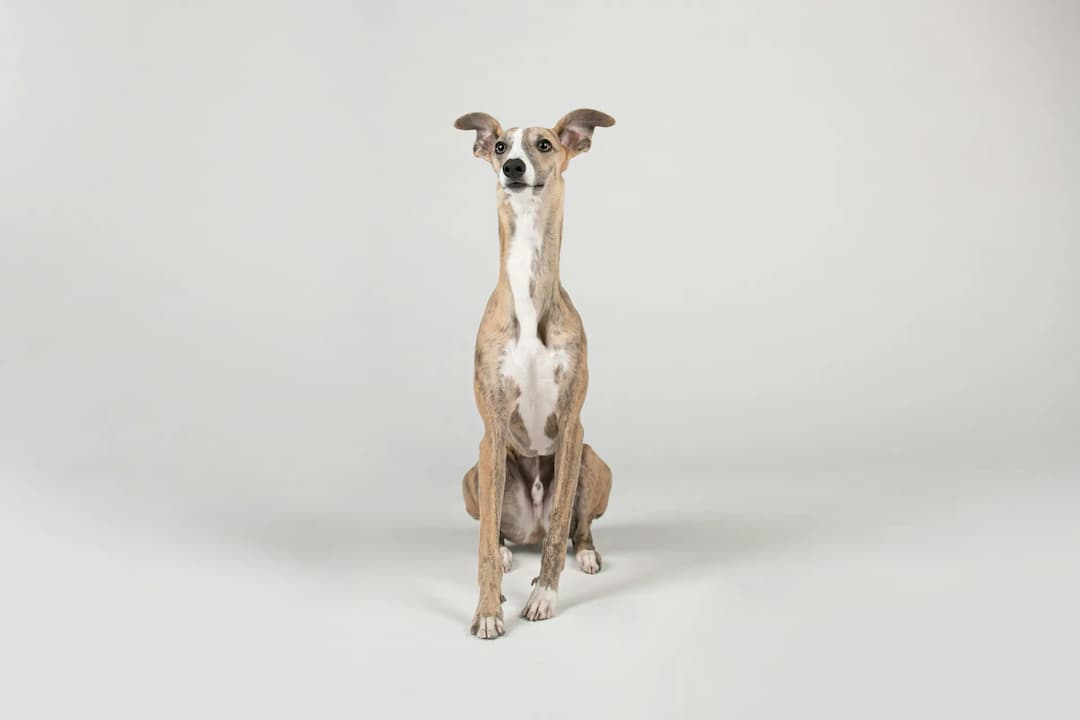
[576, 127]
[487, 132]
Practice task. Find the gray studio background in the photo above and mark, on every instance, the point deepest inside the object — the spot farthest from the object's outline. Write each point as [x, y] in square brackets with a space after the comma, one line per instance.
[243, 256]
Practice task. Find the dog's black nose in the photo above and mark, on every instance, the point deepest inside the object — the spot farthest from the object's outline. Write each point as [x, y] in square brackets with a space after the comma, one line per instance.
[514, 169]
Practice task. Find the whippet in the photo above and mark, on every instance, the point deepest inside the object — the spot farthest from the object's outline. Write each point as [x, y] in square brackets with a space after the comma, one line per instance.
[535, 481]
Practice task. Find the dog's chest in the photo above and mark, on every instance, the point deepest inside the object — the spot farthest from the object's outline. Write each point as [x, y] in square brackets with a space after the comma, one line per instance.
[532, 367]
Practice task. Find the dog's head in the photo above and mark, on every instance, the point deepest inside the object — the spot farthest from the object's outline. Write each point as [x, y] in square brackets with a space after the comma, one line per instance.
[535, 156]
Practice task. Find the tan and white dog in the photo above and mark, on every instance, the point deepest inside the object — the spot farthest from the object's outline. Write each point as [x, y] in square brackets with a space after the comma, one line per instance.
[535, 481]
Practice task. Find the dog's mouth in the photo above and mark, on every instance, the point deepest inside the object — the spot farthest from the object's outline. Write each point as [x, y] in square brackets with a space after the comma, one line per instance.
[518, 185]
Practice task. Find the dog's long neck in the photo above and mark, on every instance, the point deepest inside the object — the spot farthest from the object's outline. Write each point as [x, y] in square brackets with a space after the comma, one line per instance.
[530, 238]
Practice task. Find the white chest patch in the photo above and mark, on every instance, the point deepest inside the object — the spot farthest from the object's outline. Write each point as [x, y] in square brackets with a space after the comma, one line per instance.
[527, 361]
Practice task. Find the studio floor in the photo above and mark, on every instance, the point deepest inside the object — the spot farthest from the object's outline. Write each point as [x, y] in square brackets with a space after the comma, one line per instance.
[834, 593]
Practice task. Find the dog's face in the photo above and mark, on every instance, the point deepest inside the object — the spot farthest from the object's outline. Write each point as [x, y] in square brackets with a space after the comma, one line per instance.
[527, 157]
[532, 157]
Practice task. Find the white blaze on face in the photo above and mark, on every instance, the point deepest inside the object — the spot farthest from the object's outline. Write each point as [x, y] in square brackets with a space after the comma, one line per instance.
[517, 150]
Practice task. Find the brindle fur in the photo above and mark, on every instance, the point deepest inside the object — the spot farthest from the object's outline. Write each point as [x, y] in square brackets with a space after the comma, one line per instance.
[576, 482]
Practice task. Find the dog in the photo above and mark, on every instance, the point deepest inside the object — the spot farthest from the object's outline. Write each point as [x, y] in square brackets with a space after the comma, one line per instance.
[535, 481]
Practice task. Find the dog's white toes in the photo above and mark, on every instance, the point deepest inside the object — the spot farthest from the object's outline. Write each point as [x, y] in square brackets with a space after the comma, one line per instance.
[541, 604]
[589, 561]
[488, 627]
[507, 558]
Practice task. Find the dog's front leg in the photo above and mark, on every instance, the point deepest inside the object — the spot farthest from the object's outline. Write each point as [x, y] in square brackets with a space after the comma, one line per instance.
[541, 604]
[488, 620]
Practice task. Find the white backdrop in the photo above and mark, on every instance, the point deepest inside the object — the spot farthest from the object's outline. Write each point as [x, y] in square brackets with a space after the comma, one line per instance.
[828, 248]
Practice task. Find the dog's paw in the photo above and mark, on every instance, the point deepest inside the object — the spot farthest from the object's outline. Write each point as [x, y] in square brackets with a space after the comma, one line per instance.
[541, 604]
[507, 558]
[589, 561]
[488, 626]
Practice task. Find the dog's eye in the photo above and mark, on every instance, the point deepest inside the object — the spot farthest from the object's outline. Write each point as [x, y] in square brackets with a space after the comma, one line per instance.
[500, 147]
[544, 145]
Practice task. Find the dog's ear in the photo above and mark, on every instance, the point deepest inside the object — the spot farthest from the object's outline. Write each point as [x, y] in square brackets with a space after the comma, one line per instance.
[487, 131]
[576, 128]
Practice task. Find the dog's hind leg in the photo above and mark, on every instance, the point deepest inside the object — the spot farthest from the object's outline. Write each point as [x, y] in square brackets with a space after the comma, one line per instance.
[470, 488]
[594, 488]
